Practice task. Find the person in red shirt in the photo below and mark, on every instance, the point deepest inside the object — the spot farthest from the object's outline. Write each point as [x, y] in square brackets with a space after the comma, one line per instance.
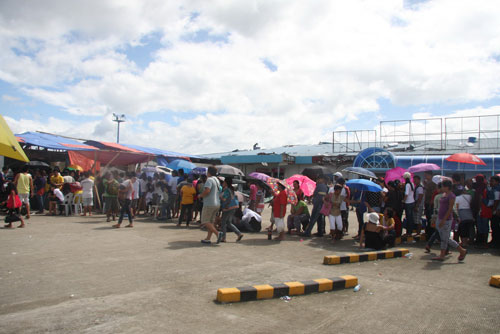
[279, 211]
[298, 191]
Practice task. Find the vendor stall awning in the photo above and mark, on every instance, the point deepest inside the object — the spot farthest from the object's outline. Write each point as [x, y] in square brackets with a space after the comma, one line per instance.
[9, 146]
[54, 142]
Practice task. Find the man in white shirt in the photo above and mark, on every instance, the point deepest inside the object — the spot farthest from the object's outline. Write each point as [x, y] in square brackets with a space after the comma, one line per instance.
[172, 198]
[87, 194]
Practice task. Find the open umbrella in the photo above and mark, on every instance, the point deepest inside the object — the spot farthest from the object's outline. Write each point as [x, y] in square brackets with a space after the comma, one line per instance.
[423, 167]
[185, 165]
[315, 171]
[306, 184]
[260, 176]
[437, 179]
[396, 174]
[360, 171]
[466, 158]
[229, 170]
[9, 146]
[291, 196]
[75, 167]
[363, 185]
[199, 171]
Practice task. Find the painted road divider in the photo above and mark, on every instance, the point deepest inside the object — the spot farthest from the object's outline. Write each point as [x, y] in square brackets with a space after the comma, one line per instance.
[295, 288]
[367, 256]
[495, 281]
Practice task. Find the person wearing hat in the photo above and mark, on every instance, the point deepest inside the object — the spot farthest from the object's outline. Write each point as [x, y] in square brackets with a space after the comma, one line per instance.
[370, 233]
[409, 203]
[316, 216]
[336, 177]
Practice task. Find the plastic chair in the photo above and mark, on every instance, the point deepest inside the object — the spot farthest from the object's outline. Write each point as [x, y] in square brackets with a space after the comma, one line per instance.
[77, 203]
[68, 203]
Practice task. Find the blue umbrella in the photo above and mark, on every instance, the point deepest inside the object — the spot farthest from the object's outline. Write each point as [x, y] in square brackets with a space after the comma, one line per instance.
[360, 171]
[181, 164]
[363, 185]
[199, 171]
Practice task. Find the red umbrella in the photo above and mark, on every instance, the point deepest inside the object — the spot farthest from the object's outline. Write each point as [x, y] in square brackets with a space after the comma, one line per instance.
[466, 158]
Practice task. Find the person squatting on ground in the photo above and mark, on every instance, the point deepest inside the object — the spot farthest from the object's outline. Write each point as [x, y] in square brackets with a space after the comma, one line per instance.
[13, 204]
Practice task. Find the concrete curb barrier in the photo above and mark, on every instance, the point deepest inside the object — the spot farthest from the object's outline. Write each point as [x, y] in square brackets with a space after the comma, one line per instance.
[361, 257]
[495, 281]
[421, 237]
[267, 291]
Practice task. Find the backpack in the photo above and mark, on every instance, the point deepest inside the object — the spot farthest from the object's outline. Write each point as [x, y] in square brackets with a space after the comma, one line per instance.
[113, 188]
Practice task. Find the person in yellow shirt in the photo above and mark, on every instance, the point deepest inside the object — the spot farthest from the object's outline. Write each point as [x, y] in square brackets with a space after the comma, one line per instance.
[24, 184]
[188, 192]
[388, 225]
[56, 179]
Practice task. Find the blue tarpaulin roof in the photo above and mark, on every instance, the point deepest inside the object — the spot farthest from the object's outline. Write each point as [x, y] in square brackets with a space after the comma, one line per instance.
[157, 151]
[54, 142]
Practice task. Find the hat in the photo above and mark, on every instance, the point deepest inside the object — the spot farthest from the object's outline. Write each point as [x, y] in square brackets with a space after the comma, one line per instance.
[406, 175]
[282, 183]
[338, 174]
[373, 218]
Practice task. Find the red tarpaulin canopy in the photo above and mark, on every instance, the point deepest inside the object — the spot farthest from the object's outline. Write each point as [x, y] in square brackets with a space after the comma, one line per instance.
[103, 157]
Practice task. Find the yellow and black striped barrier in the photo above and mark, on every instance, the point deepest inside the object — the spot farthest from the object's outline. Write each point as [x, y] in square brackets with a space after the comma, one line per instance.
[267, 291]
[421, 237]
[495, 281]
[368, 256]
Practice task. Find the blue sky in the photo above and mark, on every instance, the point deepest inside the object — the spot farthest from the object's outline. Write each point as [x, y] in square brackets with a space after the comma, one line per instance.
[204, 77]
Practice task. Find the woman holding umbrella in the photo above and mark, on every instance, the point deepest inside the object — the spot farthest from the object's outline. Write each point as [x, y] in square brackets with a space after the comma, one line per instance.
[409, 202]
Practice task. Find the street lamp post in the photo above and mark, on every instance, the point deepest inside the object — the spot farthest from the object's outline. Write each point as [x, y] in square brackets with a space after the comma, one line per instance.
[118, 119]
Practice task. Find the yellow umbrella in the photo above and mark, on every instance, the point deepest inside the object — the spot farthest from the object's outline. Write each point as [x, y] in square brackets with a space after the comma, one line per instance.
[9, 147]
[75, 167]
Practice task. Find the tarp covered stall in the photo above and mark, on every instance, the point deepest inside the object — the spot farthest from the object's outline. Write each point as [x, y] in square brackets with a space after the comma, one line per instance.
[53, 142]
[86, 159]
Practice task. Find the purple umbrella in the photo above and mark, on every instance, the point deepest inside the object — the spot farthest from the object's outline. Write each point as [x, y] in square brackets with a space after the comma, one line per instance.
[259, 176]
[423, 167]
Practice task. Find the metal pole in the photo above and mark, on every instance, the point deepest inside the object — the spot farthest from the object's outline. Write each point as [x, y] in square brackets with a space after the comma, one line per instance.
[118, 133]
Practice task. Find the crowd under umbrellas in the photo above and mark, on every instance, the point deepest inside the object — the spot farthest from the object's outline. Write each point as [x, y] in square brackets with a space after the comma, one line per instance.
[455, 212]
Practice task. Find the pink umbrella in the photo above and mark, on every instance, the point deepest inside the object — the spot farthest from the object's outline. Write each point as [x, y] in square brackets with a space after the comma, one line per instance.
[423, 167]
[396, 174]
[259, 176]
[306, 184]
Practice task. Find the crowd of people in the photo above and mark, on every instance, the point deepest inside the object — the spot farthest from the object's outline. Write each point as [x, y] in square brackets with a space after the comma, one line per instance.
[454, 211]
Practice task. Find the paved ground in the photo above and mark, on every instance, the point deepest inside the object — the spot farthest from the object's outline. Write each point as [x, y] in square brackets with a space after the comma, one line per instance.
[77, 275]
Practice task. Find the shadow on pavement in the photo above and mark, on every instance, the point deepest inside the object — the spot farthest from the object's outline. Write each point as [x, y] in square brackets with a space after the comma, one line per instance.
[187, 244]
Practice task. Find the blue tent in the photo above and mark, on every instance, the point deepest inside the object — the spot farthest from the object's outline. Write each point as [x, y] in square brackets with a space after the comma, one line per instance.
[53, 142]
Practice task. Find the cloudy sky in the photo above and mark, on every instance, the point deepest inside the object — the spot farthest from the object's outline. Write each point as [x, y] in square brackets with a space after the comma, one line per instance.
[211, 76]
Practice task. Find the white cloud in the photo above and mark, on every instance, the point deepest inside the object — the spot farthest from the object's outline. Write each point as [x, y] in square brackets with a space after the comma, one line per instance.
[335, 61]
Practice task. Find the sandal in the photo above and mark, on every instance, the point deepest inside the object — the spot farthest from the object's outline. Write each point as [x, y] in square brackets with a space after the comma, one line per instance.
[204, 241]
[129, 225]
[427, 249]
[461, 258]
[116, 226]
[239, 237]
